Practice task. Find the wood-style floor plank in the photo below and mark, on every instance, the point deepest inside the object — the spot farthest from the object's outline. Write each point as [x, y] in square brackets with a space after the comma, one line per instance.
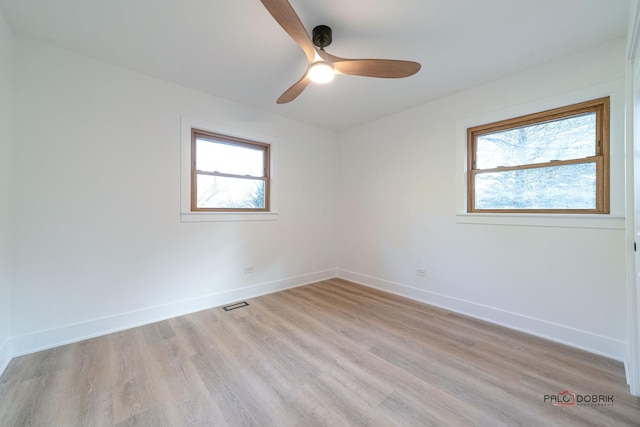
[329, 354]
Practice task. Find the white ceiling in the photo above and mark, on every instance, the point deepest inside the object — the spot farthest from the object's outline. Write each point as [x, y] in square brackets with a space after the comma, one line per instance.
[235, 50]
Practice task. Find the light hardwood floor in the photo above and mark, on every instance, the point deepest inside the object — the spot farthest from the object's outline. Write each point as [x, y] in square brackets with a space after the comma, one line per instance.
[329, 354]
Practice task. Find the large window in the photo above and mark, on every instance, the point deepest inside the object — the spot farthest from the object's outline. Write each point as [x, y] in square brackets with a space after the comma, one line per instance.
[228, 174]
[556, 161]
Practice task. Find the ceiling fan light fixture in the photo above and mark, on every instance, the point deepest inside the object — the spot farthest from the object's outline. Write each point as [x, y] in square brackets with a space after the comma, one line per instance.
[321, 72]
[323, 66]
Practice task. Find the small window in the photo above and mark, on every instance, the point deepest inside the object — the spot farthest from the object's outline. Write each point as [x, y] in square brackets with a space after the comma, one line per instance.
[556, 161]
[228, 174]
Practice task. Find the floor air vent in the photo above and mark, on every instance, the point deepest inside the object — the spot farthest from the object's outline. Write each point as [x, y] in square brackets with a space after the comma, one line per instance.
[236, 305]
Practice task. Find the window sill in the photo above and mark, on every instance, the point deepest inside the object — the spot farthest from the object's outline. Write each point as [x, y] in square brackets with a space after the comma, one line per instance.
[610, 222]
[227, 217]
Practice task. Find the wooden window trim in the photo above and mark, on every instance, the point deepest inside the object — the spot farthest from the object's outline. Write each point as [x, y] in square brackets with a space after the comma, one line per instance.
[601, 107]
[231, 140]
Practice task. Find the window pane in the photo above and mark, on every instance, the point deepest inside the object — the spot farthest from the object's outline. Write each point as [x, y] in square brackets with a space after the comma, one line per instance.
[223, 192]
[558, 187]
[564, 139]
[212, 156]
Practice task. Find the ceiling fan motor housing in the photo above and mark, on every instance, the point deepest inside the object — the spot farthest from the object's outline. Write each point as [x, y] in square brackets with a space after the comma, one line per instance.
[321, 36]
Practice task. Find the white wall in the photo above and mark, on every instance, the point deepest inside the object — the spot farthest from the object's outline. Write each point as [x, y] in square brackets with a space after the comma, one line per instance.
[99, 241]
[400, 182]
[6, 147]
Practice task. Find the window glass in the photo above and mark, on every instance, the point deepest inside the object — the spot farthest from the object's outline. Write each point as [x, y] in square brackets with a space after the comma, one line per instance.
[559, 187]
[215, 156]
[564, 139]
[224, 192]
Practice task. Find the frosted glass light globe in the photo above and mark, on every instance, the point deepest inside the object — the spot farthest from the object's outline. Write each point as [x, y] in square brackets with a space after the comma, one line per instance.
[321, 72]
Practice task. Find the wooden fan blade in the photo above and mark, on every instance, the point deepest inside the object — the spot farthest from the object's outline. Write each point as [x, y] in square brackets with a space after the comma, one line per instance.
[295, 90]
[284, 15]
[385, 68]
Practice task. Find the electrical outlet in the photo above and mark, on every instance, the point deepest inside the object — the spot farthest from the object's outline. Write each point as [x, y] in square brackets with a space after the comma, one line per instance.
[249, 270]
[421, 272]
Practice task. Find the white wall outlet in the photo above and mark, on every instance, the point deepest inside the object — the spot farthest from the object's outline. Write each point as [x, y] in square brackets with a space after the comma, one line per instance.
[249, 270]
[421, 272]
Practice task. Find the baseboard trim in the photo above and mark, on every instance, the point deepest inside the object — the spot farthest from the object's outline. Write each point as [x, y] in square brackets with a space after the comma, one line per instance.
[5, 356]
[68, 334]
[55, 337]
[593, 343]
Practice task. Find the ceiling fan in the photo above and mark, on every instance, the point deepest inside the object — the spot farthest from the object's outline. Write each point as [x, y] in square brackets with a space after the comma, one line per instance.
[322, 65]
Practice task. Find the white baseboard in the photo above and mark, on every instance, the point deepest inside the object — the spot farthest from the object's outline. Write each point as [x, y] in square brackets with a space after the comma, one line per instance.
[604, 346]
[5, 355]
[46, 339]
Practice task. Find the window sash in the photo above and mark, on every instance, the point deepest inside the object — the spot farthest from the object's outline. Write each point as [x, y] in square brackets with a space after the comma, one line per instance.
[599, 106]
[599, 163]
[571, 137]
[224, 139]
